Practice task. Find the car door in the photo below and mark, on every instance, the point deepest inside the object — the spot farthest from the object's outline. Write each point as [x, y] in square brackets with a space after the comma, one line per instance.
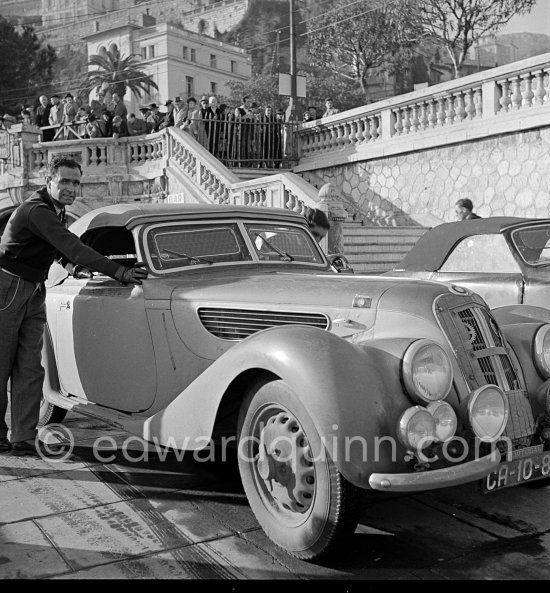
[484, 264]
[103, 344]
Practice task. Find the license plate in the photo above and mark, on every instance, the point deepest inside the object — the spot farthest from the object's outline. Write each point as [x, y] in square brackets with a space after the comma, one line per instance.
[526, 468]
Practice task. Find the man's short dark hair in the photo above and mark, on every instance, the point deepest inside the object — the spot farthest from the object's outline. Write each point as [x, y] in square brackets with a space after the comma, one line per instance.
[465, 203]
[316, 217]
[61, 160]
[245, 98]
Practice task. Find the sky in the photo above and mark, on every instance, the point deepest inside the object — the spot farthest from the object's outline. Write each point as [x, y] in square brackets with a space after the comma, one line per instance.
[537, 21]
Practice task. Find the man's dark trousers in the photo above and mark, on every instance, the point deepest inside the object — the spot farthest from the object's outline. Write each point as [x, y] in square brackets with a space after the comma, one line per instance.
[22, 320]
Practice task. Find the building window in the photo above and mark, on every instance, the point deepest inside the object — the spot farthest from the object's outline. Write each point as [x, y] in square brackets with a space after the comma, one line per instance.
[190, 86]
[151, 51]
[213, 61]
[233, 66]
[213, 88]
[193, 55]
[144, 53]
[185, 53]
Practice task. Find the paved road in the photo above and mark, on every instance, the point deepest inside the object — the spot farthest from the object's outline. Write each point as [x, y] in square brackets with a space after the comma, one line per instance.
[190, 519]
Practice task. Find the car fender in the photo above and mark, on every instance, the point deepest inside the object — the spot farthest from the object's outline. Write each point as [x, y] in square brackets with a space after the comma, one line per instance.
[352, 393]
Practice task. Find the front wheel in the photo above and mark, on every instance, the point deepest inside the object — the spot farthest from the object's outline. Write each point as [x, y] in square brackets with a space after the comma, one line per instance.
[300, 499]
[49, 413]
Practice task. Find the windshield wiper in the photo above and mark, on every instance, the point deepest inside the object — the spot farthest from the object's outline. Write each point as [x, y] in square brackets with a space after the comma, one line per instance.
[284, 255]
[193, 258]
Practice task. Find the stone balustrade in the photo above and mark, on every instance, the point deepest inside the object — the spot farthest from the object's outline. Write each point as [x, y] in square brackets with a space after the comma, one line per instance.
[99, 155]
[471, 107]
[195, 175]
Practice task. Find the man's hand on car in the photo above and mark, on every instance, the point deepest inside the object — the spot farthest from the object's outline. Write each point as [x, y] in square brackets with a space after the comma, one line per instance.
[135, 274]
[80, 272]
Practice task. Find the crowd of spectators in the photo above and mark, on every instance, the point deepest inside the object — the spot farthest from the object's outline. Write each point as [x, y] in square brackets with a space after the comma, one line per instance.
[246, 135]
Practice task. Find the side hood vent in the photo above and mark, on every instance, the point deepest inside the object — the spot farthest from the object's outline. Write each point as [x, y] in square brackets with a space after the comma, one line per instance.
[237, 324]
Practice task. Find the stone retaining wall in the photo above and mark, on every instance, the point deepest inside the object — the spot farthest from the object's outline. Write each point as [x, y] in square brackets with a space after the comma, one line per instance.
[506, 175]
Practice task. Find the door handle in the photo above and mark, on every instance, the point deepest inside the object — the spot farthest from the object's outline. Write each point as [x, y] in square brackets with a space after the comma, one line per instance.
[65, 305]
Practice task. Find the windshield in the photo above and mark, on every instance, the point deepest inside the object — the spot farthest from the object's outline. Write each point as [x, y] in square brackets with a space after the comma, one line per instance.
[178, 246]
[283, 243]
[533, 244]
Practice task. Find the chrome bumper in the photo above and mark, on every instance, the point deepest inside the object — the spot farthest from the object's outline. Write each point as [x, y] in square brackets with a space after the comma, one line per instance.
[437, 478]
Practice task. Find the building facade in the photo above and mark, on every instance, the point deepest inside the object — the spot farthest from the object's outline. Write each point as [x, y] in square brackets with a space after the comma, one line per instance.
[66, 12]
[23, 11]
[182, 63]
[65, 21]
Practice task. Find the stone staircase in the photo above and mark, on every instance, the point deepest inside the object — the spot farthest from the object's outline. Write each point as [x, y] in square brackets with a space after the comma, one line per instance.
[374, 249]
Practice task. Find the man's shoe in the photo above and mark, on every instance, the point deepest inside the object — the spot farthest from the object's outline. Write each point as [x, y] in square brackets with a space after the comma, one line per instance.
[5, 445]
[34, 448]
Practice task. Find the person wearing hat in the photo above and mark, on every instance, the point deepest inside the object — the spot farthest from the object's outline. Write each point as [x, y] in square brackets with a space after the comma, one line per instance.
[8, 120]
[70, 111]
[190, 117]
[202, 118]
[180, 113]
[245, 117]
[154, 117]
[56, 112]
[168, 119]
[42, 118]
[35, 236]
[143, 113]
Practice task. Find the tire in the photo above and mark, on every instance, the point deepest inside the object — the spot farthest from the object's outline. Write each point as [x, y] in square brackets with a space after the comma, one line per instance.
[298, 496]
[50, 414]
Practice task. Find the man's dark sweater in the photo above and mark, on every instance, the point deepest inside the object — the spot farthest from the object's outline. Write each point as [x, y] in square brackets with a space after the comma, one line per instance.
[35, 236]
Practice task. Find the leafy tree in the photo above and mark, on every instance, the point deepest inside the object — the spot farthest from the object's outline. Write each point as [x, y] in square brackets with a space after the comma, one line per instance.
[456, 25]
[118, 73]
[70, 68]
[263, 88]
[25, 66]
[257, 33]
[356, 41]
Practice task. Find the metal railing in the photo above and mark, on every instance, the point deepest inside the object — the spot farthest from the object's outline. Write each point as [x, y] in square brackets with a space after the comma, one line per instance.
[247, 144]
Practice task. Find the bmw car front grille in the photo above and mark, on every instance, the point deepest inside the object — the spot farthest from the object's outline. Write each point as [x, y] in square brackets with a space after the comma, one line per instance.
[483, 357]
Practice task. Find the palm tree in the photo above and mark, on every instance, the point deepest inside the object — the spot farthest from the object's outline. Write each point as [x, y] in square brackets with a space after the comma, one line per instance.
[118, 73]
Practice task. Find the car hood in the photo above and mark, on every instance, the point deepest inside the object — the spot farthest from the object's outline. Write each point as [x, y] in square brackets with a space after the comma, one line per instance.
[288, 289]
[212, 311]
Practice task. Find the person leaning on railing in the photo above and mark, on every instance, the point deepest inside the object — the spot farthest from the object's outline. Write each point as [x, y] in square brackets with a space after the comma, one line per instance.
[136, 125]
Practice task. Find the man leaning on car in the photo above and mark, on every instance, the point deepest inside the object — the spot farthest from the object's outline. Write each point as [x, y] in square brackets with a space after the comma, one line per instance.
[34, 237]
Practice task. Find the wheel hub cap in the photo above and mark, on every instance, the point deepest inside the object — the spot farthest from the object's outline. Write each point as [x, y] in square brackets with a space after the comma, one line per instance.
[284, 463]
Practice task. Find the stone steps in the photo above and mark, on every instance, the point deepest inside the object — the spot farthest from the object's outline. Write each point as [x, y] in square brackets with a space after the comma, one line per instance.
[372, 250]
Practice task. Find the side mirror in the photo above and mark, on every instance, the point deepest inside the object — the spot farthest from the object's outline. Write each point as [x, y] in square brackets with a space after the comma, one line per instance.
[340, 264]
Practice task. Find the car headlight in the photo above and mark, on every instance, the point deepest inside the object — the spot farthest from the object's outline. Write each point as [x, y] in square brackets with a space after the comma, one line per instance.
[542, 351]
[445, 420]
[427, 372]
[488, 412]
[416, 428]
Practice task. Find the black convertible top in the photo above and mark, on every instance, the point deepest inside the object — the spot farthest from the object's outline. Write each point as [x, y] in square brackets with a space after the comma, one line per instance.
[432, 249]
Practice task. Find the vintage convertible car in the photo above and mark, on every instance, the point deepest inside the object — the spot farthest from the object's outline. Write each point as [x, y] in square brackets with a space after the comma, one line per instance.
[328, 384]
[505, 260]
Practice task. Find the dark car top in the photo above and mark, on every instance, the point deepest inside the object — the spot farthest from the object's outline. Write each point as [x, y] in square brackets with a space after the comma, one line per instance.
[432, 249]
